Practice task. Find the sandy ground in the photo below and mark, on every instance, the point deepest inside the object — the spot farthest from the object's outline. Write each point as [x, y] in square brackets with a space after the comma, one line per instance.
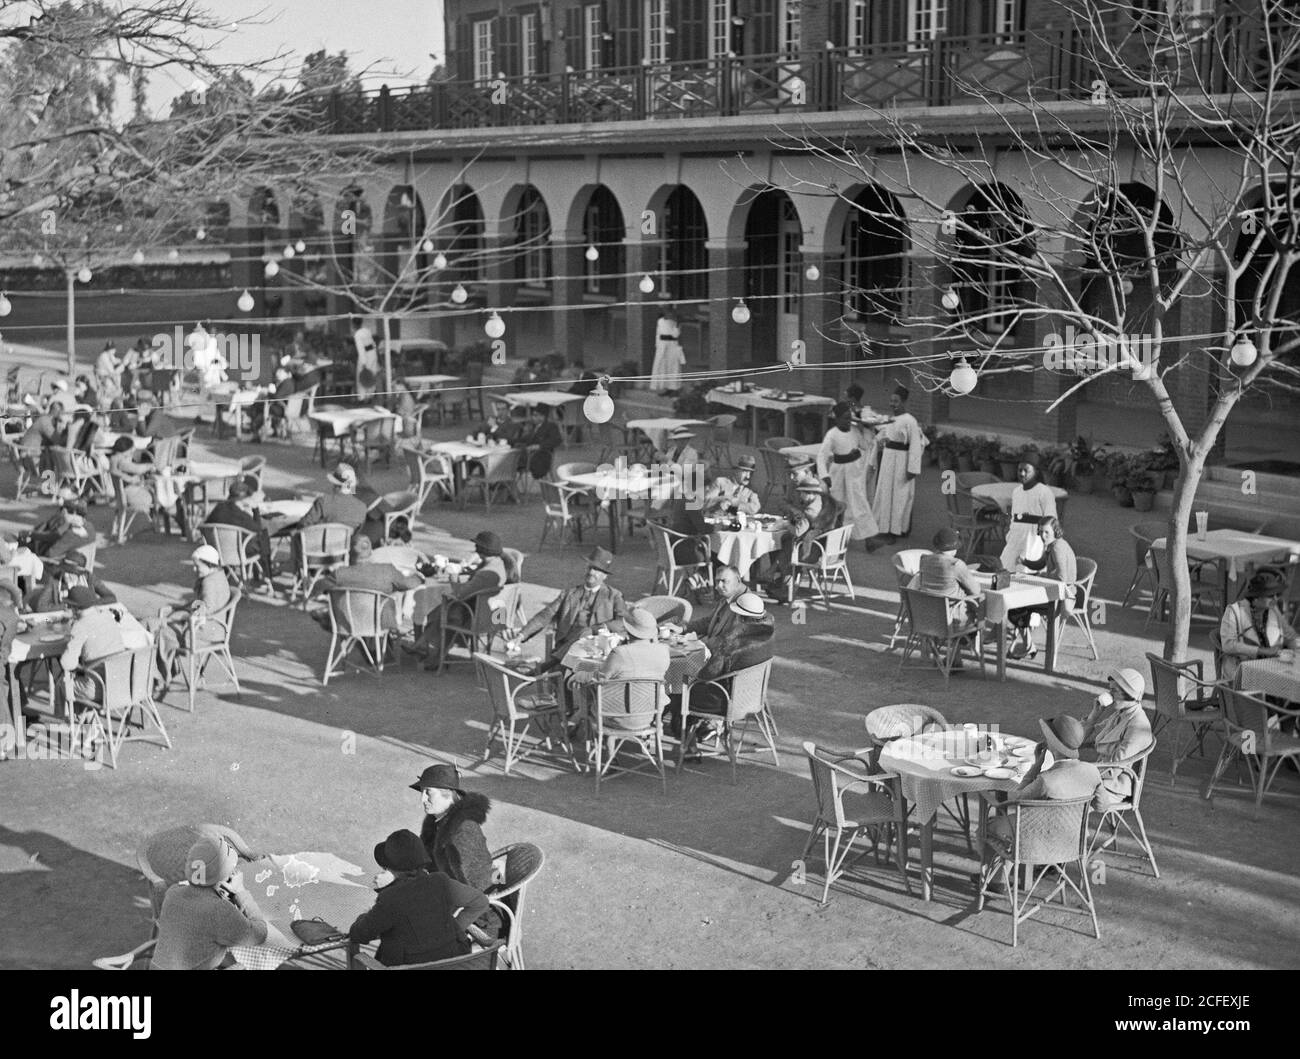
[700, 877]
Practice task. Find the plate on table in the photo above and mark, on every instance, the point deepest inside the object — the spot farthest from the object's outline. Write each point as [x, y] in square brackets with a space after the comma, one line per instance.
[52, 637]
[966, 771]
[999, 773]
[1023, 750]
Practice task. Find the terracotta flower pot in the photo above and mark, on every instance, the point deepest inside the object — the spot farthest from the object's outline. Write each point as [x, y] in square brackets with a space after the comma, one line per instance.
[1143, 500]
[965, 463]
[1122, 495]
[1083, 483]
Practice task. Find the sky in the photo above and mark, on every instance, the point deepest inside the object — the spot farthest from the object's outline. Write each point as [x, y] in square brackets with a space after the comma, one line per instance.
[395, 37]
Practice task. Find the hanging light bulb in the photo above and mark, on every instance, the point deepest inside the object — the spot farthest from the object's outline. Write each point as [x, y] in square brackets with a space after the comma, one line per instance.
[963, 377]
[201, 234]
[440, 261]
[741, 312]
[813, 273]
[173, 254]
[84, 274]
[137, 258]
[300, 246]
[495, 326]
[6, 306]
[1243, 352]
[592, 253]
[427, 246]
[245, 302]
[647, 284]
[950, 300]
[599, 406]
[272, 270]
[1126, 285]
[459, 294]
[289, 251]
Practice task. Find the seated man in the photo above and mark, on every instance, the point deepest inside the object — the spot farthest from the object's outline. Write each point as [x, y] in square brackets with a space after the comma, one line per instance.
[748, 642]
[237, 510]
[642, 657]
[729, 495]
[1254, 627]
[340, 506]
[27, 566]
[68, 530]
[211, 911]
[943, 574]
[1115, 729]
[541, 441]
[264, 416]
[585, 608]
[717, 623]
[365, 573]
[679, 450]
[11, 602]
[97, 632]
[48, 430]
[61, 577]
[431, 601]
[419, 915]
[816, 513]
[150, 420]
[171, 629]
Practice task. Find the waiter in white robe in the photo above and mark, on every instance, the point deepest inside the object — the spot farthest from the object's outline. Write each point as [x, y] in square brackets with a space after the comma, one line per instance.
[842, 463]
[898, 458]
[1030, 501]
[367, 359]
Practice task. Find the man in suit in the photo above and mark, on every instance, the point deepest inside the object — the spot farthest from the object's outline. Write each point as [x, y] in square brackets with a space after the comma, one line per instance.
[340, 506]
[816, 513]
[66, 531]
[237, 510]
[152, 421]
[541, 441]
[364, 573]
[61, 576]
[746, 643]
[719, 621]
[643, 657]
[581, 609]
[432, 600]
[733, 493]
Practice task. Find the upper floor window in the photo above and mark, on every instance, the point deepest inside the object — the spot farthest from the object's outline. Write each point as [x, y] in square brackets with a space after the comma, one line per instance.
[1008, 19]
[719, 28]
[528, 42]
[859, 23]
[926, 20]
[791, 30]
[656, 32]
[484, 52]
[593, 45]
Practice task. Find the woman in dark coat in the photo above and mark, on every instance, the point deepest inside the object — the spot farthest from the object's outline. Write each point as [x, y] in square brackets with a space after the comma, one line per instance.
[452, 831]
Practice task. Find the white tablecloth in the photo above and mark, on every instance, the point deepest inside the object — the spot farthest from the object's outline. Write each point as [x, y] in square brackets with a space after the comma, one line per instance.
[616, 485]
[657, 430]
[529, 398]
[461, 450]
[1236, 549]
[1026, 591]
[925, 762]
[1271, 676]
[740, 548]
[430, 382]
[754, 399]
[340, 421]
[685, 661]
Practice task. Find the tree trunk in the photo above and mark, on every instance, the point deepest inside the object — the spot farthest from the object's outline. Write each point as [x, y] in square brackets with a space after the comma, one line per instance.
[388, 356]
[1180, 592]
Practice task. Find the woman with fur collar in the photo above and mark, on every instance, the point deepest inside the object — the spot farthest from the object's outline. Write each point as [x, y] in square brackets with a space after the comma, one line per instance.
[452, 831]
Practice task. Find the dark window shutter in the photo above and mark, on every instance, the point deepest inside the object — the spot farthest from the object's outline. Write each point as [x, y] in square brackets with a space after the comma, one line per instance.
[507, 45]
[692, 41]
[837, 28]
[760, 27]
[464, 51]
[891, 22]
[607, 29]
[627, 32]
[573, 38]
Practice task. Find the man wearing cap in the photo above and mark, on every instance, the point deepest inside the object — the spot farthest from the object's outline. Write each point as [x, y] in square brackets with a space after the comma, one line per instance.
[61, 576]
[172, 626]
[341, 506]
[582, 609]
[718, 622]
[900, 443]
[816, 513]
[237, 510]
[97, 631]
[420, 915]
[733, 493]
[363, 572]
[152, 421]
[842, 463]
[431, 601]
[941, 573]
[748, 642]
[203, 917]
[1254, 627]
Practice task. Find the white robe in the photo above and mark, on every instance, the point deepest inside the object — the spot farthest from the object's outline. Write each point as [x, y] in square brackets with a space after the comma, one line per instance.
[366, 358]
[1022, 537]
[669, 356]
[895, 492]
[849, 480]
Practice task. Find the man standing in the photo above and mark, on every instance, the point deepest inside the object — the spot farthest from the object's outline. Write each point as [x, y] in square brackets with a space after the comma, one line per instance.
[581, 609]
[901, 444]
[367, 359]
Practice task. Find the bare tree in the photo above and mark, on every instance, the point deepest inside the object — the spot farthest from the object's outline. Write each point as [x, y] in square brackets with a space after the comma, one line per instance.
[1206, 109]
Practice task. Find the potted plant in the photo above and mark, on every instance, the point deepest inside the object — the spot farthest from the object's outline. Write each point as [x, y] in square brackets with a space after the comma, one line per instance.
[1081, 464]
[987, 450]
[1117, 469]
[1053, 463]
[1164, 462]
[1008, 462]
[964, 448]
[1141, 484]
[944, 449]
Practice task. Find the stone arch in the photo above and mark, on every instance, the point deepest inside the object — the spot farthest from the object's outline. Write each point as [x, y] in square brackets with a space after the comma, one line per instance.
[403, 235]
[681, 231]
[596, 218]
[526, 224]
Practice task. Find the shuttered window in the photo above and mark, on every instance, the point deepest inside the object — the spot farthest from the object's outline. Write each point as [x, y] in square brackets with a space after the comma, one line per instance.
[484, 52]
[692, 31]
[528, 45]
[655, 13]
[926, 20]
[719, 28]
[508, 59]
[592, 27]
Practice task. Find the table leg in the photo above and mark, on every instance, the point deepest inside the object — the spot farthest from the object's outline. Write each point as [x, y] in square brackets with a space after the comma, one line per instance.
[1000, 631]
[1055, 618]
[16, 713]
[789, 421]
[753, 426]
[927, 857]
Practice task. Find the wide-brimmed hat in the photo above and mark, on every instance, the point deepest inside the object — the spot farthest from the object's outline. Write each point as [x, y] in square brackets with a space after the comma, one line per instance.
[745, 462]
[946, 540]
[1266, 582]
[343, 474]
[206, 553]
[487, 542]
[1063, 735]
[210, 861]
[810, 486]
[749, 605]
[1129, 681]
[798, 460]
[443, 776]
[601, 560]
[681, 434]
[401, 851]
[640, 623]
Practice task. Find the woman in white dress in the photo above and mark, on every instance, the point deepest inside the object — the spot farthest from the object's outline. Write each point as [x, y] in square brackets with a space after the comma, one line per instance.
[669, 357]
[1030, 501]
[842, 463]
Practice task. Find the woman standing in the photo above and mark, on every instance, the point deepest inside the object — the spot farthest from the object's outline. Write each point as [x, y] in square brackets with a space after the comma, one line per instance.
[1030, 501]
[842, 463]
[669, 357]
[452, 831]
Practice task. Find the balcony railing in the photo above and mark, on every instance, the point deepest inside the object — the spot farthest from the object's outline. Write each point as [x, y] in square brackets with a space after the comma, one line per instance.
[947, 71]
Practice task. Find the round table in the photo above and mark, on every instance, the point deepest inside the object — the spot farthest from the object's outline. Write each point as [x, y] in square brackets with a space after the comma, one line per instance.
[924, 764]
[584, 659]
[1270, 676]
[741, 548]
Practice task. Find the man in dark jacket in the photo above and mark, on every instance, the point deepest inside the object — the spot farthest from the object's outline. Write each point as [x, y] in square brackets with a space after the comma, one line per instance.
[747, 643]
[580, 610]
[152, 421]
[419, 916]
[340, 506]
[715, 624]
[237, 510]
[61, 576]
[541, 441]
[363, 573]
[68, 530]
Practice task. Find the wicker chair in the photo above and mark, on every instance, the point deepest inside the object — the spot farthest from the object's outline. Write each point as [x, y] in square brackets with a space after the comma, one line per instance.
[828, 563]
[745, 695]
[1144, 534]
[776, 473]
[560, 512]
[122, 699]
[1047, 837]
[907, 564]
[403, 506]
[877, 804]
[428, 472]
[467, 623]
[668, 571]
[374, 437]
[123, 513]
[357, 620]
[936, 634]
[483, 960]
[500, 469]
[515, 866]
[978, 522]
[887, 723]
[777, 444]
[195, 654]
[519, 703]
[1246, 720]
[1127, 812]
[667, 608]
[1183, 697]
[721, 430]
[1081, 615]
[628, 711]
[238, 550]
[1158, 560]
[77, 471]
[317, 550]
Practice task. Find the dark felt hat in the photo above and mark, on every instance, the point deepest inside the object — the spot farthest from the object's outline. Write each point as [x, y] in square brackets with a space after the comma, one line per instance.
[487, 542]
[401, 851]
[601, 559]
[444, 776]
[1265, 582]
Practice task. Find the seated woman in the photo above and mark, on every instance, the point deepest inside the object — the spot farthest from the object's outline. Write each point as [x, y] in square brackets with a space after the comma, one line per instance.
[1254, 627]
[134, 475]
[419, 915]
[1058, 562]
[452, 832]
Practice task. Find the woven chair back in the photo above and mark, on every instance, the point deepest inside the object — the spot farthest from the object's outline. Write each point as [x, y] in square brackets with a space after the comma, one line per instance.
[231, 542]
[775, 466]
[498, 680]
[1051, 832]
[826, 785]
[1246, 711]
[501, 466]
[326, 540]
[666, 608]
[930, 614]
[749, 692]
[1168, 685]
[565, 471]
[357, 611]
[631, 706]
[886, 723]
[907, 564]
[1144, 533]
[835, 546]
[127, 677]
